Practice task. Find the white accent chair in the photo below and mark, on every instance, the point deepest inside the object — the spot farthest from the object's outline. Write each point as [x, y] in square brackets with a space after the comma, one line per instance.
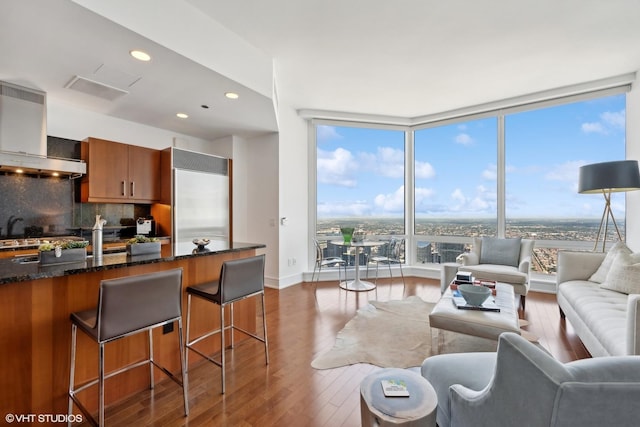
[522, 384]
[502, 260]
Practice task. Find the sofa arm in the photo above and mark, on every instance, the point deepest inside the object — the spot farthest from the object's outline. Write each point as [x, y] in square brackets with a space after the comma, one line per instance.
[577, 265]
[633, 324]
[525, 265]
[468, 258]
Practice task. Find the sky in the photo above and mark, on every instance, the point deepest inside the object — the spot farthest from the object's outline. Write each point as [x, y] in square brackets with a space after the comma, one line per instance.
[360, 171]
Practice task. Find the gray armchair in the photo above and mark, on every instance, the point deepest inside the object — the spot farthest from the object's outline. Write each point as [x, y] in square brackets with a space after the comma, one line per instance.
[502, 260]
[522, 384]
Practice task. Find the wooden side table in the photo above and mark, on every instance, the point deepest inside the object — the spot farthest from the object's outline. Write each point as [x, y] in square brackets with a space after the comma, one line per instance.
[419, 409]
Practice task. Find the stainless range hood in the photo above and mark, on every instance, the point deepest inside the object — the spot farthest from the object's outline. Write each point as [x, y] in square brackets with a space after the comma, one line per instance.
[23, 134]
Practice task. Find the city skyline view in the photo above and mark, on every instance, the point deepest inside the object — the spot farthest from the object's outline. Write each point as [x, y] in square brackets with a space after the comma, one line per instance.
[360, 171]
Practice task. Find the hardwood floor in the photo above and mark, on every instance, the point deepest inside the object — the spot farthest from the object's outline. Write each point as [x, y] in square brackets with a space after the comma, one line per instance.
[289, 391]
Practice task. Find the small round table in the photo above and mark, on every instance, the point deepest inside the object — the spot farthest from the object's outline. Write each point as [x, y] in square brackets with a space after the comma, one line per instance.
[357, 284]
[419, 409]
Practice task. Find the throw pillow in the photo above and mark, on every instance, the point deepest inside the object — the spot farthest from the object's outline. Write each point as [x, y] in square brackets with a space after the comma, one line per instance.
[601, 273]
[624, 274]
[500, 251]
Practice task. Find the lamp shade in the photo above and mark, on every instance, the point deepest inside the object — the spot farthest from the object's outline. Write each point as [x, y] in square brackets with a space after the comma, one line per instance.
[616, 176]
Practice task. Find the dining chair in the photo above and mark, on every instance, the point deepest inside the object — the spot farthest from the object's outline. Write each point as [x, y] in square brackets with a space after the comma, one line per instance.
[127, 306]
[321, 262]
[391, 256]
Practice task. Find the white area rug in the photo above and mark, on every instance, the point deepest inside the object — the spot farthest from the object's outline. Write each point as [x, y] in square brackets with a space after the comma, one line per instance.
[394, 334]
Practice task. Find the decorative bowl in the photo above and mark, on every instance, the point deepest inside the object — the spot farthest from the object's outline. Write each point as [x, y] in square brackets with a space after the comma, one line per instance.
[201, 243]
[474, 295]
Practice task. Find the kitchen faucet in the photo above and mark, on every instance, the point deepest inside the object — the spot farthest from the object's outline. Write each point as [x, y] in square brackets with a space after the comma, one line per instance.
[10, 224]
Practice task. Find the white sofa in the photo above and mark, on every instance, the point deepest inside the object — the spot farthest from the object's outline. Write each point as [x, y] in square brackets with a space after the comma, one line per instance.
[607, 322]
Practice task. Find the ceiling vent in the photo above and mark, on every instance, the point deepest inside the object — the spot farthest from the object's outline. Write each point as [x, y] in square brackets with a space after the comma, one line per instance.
[90, 87]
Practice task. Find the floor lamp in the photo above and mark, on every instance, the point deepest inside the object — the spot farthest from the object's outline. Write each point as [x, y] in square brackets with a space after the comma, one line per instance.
[607, 178]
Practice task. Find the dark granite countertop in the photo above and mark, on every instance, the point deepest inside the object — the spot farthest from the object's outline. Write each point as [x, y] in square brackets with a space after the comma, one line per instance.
[12, 271]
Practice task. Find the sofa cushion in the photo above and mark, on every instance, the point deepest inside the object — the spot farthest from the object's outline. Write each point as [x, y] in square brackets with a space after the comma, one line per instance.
[603, 312]
[500, 251]
[624, 274]
[601, 274]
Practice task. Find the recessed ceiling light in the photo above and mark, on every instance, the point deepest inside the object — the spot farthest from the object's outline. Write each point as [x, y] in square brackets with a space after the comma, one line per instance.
[232, 95]
[140, 55]
[19, 171]
[55, 174]
[182, 115]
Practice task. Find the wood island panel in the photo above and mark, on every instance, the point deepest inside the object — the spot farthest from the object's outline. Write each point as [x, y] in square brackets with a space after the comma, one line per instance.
[36, 336]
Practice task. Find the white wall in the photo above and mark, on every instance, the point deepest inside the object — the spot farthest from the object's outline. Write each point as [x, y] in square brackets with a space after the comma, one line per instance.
[293, 185]
[255, 197]
[633, 153]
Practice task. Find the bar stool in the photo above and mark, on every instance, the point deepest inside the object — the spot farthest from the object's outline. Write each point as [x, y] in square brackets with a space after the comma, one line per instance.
[239, 279]
[127, 306]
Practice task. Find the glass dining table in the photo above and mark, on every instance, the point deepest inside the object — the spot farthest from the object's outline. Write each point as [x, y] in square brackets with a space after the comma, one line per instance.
[357, 284]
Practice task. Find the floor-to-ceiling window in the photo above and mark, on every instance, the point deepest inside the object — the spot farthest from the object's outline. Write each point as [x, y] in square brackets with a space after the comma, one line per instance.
[544, 149]
[455, 187]
[510, 171]
[360, 175]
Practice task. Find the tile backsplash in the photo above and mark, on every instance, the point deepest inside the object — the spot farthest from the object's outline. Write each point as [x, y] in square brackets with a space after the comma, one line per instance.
[51, 203]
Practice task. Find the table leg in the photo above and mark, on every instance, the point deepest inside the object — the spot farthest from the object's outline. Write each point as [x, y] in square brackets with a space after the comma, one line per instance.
[357, 284]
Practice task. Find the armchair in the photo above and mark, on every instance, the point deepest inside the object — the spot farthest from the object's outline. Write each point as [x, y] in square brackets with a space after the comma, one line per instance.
[522, 384]
[502, 260]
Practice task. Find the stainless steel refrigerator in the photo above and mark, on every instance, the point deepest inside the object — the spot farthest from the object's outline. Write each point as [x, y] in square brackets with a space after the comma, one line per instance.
[200, 200]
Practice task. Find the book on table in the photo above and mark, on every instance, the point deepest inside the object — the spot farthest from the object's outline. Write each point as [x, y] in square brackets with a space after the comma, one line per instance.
[394, 388]
[461, 303]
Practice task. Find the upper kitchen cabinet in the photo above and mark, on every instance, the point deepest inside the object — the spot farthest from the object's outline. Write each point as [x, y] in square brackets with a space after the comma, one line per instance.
[119, 173]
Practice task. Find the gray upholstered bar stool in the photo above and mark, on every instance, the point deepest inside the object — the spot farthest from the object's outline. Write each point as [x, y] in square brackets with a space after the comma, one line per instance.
[127, 306]
[239, 279]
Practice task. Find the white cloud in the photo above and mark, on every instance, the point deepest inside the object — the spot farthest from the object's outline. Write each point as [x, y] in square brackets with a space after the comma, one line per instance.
[327, 133]
[458, 196]
[386, 161]
[483, 201]
[391, 203]
[464, 139]
[423, 194]
[390, 162]
[342, 209]
[594, 127]
[424, 170]
[490, 173]
[337, 167]
[610, 121]
[566, 172]
[615, 119]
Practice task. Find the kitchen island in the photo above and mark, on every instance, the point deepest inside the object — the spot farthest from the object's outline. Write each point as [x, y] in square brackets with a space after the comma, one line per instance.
[35, 331]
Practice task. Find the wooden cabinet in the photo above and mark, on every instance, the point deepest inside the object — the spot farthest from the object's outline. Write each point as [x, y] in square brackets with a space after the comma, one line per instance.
[119, 173]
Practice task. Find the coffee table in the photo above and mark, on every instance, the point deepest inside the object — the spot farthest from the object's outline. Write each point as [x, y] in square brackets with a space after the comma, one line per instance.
[485, 324]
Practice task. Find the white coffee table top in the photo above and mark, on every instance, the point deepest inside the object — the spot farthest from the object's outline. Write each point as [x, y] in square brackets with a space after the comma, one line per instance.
[486, 324]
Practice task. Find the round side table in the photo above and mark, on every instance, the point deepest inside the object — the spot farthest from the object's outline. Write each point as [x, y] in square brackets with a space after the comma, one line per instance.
[419, 409]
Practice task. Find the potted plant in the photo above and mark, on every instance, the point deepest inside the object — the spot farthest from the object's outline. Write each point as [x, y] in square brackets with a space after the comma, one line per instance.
[63, 251]
[143, 245]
